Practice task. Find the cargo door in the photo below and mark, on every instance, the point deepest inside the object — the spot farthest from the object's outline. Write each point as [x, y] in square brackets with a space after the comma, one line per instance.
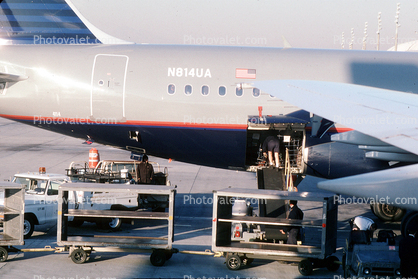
[107, 100]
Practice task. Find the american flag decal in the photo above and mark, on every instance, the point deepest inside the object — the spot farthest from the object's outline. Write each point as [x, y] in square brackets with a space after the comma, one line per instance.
[245, 73]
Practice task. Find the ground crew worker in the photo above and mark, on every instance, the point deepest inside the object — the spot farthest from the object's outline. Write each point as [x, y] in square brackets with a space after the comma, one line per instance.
[145, 171]
[363, 224]
[294, 214]
[271, 146]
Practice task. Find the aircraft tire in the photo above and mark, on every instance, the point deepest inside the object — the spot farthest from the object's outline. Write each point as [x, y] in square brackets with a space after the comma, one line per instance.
[410, 218]
[387, 212]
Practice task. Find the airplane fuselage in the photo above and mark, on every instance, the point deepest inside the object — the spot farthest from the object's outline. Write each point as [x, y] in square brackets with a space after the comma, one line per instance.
[176, 99]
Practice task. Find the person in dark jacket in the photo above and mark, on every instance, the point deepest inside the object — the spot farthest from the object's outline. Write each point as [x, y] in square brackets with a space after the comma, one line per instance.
[145, 171]
[294, 214]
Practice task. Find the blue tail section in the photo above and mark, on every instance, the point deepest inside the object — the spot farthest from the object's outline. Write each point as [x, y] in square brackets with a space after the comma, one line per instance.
[42, 22]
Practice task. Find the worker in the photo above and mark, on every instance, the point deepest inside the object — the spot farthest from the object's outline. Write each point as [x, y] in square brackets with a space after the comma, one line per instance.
[408, 249]
[271, 145]
[145, 171]
[362, 223]
[294, 214]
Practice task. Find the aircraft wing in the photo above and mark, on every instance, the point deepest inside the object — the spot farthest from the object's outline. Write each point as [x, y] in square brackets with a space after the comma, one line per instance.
[389, 116]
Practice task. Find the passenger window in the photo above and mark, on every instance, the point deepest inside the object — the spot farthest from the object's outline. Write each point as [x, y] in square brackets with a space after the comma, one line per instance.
[205, 90]
[238, 91]
[222, 90]
[188, 90]
[171, 89]
[256, 92]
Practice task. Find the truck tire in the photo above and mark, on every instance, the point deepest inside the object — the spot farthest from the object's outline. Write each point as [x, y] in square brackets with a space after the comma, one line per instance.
[112, 224]
[3, 254]
[28, 227]
[386, 212]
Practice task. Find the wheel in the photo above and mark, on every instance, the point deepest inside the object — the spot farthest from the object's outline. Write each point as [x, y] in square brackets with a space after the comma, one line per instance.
[28, 227]
[305, 267]
[158, 257]
[76, 222]
[3, 254]
[386, 212]
[246, 261]
[168, 255]
[79, 256]
[410, 218]
[331, 264]
[233, 262]
[112, 224]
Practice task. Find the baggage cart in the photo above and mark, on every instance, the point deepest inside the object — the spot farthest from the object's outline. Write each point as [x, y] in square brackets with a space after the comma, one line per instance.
[252, 242]
[12, 214]
[81, 245]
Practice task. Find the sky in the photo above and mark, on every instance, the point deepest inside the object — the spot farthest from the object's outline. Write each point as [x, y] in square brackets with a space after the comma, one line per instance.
[261, 23]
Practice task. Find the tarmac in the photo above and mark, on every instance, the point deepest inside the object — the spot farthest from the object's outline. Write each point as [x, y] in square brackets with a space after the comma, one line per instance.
[25, 148]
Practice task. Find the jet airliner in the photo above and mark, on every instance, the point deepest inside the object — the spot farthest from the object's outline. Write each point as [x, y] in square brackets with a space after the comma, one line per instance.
[197, 104]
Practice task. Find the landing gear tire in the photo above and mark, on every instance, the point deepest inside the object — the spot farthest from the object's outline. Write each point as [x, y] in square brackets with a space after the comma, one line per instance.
[28, 227]
[386, 212]
[305, 267]
[3, 254]
[408, 220]
[158, 257]
[79, 256]
[233, 262]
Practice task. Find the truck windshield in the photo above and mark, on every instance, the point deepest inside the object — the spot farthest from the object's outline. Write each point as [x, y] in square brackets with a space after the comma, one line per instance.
[33, 186]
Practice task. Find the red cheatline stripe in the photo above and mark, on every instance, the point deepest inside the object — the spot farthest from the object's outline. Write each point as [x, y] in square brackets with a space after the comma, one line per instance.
[70, 120]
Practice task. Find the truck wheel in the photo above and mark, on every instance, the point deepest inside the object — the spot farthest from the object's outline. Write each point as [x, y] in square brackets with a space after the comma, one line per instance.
[28, 227]
[386, 212]
[112, 224]
[79, 256]
[3, 254]
[233, 262]
[158, 257]
[331, 263]
[305, 267]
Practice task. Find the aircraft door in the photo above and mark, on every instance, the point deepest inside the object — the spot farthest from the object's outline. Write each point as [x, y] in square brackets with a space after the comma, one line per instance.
[107, 100]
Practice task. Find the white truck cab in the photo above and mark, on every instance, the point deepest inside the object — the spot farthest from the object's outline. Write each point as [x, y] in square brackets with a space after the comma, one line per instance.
[41, 198]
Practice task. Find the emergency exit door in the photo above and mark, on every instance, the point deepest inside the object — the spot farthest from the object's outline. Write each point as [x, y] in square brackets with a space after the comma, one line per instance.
[107, 100]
